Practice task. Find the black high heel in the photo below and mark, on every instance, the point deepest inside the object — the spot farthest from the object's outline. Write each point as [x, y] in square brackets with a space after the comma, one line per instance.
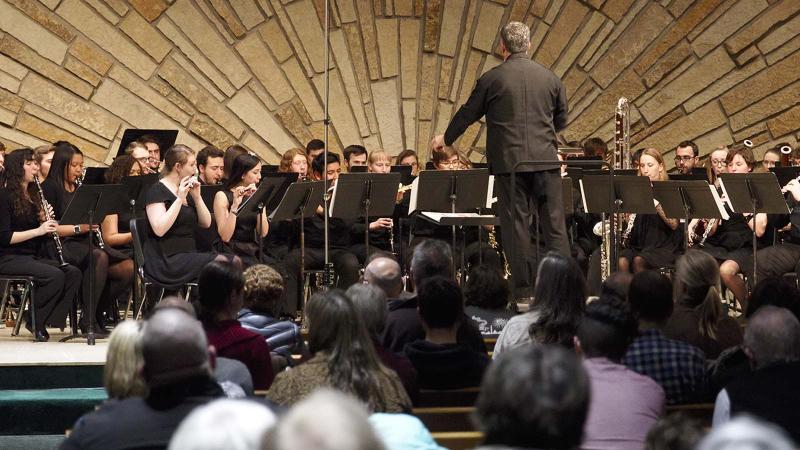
[40, 335]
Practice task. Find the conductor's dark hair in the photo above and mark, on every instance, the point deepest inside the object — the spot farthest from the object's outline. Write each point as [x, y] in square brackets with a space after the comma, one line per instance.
[607, 329]
[695, 149]
[440, 302]
[431, 257]
[560, 298]
[209, 151]
[534, 396]
[353, 150]
[241, 165]
[486, 287]
[315, 144]
[218, 283]
[320, 164]
[650, 296]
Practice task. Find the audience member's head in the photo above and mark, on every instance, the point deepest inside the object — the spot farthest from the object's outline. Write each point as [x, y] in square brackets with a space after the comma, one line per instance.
[675, 431]
[263, 288]
[335, 330]
[776, 291]
[697, 284]
[486, 288]
[325, 420]
[122, 374]
[617, 284]
[175, 302]
[224, 425]
[431, 257]
[220, 286]
[440, 304]
[370, 304]
[772, 336]
[607, 329]
[746, 433]
[174, 348]
[385, 273]
[559, 299]
[535, 396]
[650, 297]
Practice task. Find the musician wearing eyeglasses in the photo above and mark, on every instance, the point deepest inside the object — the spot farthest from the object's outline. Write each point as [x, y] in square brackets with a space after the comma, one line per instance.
[686, 157]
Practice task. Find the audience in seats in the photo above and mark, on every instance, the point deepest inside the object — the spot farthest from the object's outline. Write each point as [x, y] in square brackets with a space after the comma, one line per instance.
[224, 425]
[486, 299]
[559, 298]
[699, 317]
[533, 397]
[676, 431]
[178, 372]
[770, 392]
[121, 375]
[402, 432]
[220, 297]
[344, 359]
[263, 289]
[747, 433]
[326, 420]
[678, 367]
[370, 304]
[440, 361]
[624, 404]
[403, 325]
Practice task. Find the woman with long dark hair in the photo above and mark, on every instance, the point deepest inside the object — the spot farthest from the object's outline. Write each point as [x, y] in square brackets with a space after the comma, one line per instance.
[59, 188]
[240, 232]
[344, 359]
[24, 234]
[559, 299]
[174, 209]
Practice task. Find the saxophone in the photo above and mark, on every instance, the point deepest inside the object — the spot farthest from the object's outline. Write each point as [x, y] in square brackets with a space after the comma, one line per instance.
[620, 159]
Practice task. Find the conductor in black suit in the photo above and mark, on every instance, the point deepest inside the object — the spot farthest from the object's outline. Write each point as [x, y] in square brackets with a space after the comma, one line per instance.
[525, 106]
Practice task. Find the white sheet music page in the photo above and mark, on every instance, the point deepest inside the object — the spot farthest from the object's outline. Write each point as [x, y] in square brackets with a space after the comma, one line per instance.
[725, 194]
[412, 204]
[583, 197]
[719, 203]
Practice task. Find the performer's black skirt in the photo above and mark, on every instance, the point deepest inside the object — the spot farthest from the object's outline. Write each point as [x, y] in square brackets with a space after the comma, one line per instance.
[655, 257]
[742, 256]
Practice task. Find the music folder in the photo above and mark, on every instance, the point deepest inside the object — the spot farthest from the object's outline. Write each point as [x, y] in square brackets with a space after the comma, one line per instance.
[695, 198]
[353, 189]
[745, 192]
[269, 193]
[470, 188]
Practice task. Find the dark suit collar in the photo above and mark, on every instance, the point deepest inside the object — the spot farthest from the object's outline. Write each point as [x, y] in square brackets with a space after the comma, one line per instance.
[519, 55]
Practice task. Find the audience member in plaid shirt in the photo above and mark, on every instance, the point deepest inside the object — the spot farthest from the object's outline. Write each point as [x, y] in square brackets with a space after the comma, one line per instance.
[678, 367]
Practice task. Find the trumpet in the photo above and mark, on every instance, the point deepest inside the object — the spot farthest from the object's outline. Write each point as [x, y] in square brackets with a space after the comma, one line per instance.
[49, 216]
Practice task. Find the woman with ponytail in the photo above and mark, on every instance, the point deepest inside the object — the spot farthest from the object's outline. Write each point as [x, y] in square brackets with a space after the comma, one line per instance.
[699, 317]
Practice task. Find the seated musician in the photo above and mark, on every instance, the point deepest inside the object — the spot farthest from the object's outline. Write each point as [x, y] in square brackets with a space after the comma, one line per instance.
[282, 235]
[210, 169]
[408, 158]
[382, 228]
[238, 231]
[772, 157]
[345, 262]
[24, 237]
[649, 242]
[174, 208]
[63, 180]
[730, 241]
[295, 160]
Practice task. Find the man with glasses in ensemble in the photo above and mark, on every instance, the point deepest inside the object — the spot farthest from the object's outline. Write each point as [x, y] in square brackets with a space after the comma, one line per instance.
[686, 157]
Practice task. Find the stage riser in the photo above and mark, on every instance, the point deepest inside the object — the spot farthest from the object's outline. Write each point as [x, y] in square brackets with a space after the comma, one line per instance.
[46, 411]
[51, 377]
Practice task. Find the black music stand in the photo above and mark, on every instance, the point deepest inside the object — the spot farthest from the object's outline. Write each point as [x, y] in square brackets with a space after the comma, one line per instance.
[451, 191]
[358, 169]
[377, 193]
[405, 174]
[137, 188]
[753, 193]
[785, 174]
[300, 202]
[270, 189]
[695, 174]
[95, 175]
[693, 199]
[90, 205]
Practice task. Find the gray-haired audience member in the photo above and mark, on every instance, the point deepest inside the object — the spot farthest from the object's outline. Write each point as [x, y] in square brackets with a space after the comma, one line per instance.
[676, 431]
[370, 304]
[535, 396]
[403, 325]
[178, 372]
[325, 420]
[770, 392]
[746, 433]
[224, 425]
[386, 274]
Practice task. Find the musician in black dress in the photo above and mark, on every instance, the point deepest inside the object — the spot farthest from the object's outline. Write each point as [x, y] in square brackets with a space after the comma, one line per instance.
[174, 208]
[649, 242]
[730, 241]
[381, 228]
[24, 236]
[239, 231]
[59, 188]
[783, 257]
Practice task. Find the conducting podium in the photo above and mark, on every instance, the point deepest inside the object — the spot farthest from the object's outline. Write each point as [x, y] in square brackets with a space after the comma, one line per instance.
[690, 199]
[751, 194]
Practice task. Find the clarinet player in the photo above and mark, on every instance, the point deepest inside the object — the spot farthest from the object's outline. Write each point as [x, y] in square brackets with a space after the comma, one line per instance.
[525, 105]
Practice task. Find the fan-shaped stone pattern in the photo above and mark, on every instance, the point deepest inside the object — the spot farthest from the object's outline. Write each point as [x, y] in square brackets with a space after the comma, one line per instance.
[252, 71]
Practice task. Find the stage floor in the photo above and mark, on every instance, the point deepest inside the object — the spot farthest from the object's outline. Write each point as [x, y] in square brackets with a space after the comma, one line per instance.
[23, 351]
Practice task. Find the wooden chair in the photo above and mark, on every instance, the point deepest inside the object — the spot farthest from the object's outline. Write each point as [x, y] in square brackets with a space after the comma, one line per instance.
[458, 440]
[451, 397]
[447, 418]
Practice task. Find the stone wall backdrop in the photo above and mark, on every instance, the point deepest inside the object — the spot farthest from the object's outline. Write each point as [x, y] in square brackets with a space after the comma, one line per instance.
[251, 71]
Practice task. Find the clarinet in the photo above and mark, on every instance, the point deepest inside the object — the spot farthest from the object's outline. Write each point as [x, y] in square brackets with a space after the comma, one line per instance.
[97, 232]
[48, 216]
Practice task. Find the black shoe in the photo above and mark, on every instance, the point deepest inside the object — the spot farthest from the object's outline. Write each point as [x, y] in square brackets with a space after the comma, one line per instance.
[40, 335]
[99, 332]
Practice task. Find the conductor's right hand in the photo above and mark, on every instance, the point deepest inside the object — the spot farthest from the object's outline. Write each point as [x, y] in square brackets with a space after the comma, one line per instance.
[437, 142]
[48, 226]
